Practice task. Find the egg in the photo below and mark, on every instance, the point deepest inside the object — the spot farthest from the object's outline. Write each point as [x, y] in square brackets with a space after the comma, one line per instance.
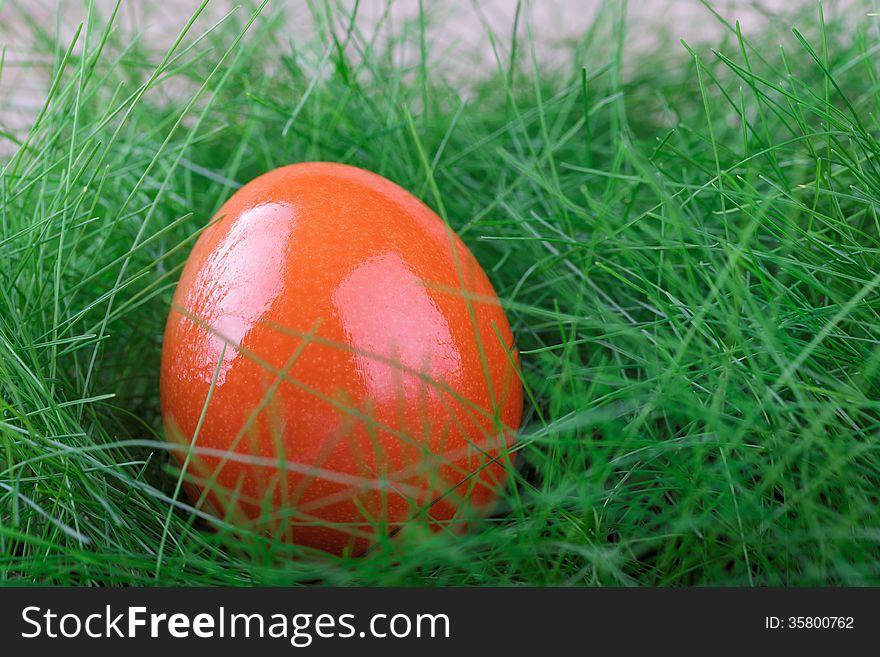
[336, 365]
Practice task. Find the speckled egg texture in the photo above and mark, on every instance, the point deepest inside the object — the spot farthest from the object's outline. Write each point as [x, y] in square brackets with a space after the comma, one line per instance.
[365, 370]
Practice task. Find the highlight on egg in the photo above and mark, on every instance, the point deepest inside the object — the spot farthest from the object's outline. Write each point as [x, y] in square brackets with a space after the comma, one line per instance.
[336, 364]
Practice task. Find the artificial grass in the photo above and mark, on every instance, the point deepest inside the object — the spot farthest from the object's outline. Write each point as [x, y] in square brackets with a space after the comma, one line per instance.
[686, 242]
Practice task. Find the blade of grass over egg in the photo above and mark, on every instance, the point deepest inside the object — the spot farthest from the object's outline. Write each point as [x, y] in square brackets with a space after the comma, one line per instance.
[187, 458]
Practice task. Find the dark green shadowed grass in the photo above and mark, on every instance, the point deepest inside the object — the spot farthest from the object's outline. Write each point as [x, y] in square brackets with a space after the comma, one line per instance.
[686, 242]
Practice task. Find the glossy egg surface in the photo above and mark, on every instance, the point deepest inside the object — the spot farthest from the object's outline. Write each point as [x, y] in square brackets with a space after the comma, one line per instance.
[365, 370]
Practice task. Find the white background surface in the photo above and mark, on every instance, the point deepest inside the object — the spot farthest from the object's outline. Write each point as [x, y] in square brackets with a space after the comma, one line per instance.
[457, 32]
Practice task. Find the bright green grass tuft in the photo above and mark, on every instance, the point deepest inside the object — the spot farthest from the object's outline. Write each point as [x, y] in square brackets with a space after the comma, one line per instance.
[687, 243]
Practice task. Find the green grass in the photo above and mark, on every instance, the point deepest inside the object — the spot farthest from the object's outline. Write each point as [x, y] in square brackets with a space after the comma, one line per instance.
[686, 241]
